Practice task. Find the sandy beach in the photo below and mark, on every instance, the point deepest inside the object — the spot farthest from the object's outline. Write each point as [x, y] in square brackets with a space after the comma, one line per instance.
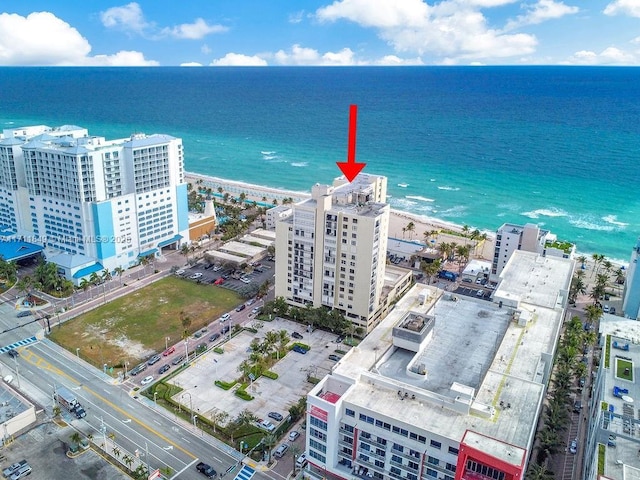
[398, 219]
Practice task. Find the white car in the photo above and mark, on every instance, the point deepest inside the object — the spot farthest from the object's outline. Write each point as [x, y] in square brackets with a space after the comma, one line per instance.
[147, 380]
[180, 272]
[195, 276]
[606, 309]
[225, 317]
[293, 435]
[245, 280]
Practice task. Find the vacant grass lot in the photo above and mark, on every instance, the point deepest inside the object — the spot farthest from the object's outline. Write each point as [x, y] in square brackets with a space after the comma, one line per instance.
[134, 327]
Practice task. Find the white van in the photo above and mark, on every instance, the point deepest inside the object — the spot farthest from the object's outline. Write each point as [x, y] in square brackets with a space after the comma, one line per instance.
[282, 449]
[301, 461]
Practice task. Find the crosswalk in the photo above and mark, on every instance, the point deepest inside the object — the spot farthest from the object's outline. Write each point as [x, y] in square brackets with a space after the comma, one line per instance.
[19, 343]
[245, 473]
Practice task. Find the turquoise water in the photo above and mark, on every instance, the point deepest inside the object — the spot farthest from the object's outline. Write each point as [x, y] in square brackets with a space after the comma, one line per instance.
[557, 146]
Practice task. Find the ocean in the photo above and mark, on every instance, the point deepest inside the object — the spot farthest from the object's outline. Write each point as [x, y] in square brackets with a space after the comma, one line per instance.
[476, 146]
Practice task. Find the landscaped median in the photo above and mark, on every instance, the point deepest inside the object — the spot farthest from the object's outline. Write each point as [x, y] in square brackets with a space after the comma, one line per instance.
[134, 327]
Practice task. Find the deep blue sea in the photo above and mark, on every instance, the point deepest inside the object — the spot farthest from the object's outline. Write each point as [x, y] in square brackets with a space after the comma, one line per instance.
[557, 146]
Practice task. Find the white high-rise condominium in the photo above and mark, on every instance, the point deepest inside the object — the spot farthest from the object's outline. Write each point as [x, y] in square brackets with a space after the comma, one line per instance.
[332, 250]
[92, 203]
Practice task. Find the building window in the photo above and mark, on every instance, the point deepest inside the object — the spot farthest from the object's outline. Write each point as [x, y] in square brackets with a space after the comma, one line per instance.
[349, 413]
[436, 444]
[453, 451]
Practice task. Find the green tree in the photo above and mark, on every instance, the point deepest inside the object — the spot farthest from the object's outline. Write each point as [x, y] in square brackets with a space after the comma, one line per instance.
[119, 271]
[269, 442]
[538, 472]
[75, 438]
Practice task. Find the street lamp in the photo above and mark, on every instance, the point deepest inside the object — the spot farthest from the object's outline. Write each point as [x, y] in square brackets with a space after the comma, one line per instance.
[186, 349]
[166, 343]
[78, 352]
[155, 398]
[190, 404]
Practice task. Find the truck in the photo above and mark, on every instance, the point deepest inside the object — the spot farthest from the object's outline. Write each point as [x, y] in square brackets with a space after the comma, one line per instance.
[66, 398]
[447, 275]
[206, 470]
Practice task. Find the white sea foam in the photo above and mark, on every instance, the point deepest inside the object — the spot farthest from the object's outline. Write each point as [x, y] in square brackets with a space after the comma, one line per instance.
[267, 152]
[269, 157]
[457, 211]
[589, 224]
[403, 185]
[446, 187]
[613, 220]
[418, 197]
[299, 164]
[545, 212]
[432, 180]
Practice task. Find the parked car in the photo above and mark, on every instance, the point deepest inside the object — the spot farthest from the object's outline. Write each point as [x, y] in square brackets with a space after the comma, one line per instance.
[180, 272]
[153, 360]
[480, 293]
[14, 467]
[137, 369]
[168, 351]
[245, 280]
[178, 360]
[240, 307]
[612, 310]
[22, 472]
[297, 335]
[24, 313]
[219, 281]
[225, 329]
[299, 349]
[573, 448]
[340, 339]
[13, 353]
[276, 416]
[577, 406]
[196, 276]
[281, 450]
[147, 380]
[605, 308]
[255, 310]
[334, 357]
[293, 435]
[163, 369]
[225, 317]
[214, 337]
[206, 469]
[267, 425]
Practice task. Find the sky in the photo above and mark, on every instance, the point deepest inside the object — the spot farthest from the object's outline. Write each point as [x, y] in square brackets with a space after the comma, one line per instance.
[315, 32]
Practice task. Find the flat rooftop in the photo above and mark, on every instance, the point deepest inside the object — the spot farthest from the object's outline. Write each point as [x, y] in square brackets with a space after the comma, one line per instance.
[486, 364]
[621, 391]
[535, 279]
[465, 339]
[241, 249]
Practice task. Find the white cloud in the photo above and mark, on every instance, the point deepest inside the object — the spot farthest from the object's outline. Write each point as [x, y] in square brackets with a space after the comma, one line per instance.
[41, 38]
[191, 64]
[623, 7]
[130, 18]
[127, 17]
[609, 56]
[298, 55]
[540, 12]
[205, 49]
[124, 58]
[393, 60]
[239, 60]
[455, 29]
[193, 31]
[296, 17]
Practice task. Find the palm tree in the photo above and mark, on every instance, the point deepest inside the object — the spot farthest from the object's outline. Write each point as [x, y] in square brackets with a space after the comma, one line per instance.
[219, 418]
[269, 441]
[84, 284]
[127, 460]
[582, 259]
[410, 228]
[431, 269]
[539, 472]
[465, 230]
[119, 271]
[56, 410]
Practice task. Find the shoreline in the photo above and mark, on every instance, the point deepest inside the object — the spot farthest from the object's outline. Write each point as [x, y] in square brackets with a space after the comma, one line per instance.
[398, 219]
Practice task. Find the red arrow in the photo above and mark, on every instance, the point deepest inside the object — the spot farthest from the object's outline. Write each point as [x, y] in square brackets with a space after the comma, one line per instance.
[350, 168]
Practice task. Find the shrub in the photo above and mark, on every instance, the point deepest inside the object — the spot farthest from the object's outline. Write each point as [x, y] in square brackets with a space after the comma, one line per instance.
[241, 393]
[270, 374]
[219, 350]
[224, 385]
[250, 329]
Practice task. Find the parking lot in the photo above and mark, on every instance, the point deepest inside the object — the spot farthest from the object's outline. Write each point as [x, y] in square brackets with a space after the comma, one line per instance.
[43, 447]
[269, 395]
[203, 272]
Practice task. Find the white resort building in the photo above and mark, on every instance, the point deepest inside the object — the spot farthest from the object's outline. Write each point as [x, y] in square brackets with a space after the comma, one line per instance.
[91, 203]
[445, 387]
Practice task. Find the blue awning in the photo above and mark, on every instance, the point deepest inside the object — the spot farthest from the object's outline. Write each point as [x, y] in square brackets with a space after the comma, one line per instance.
[170, 241]
[15, 250]
[83, 272]
[152, 251]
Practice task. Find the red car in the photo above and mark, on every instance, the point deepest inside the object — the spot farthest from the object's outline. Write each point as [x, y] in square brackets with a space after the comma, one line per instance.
[168, 351]
[219, 281]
